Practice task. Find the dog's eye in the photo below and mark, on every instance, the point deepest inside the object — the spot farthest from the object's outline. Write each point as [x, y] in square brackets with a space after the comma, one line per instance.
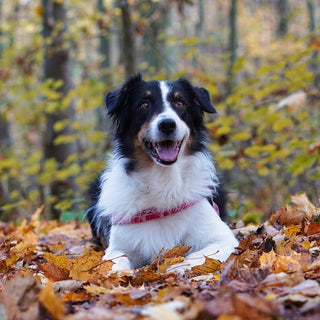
[144, 105]
[179, 104]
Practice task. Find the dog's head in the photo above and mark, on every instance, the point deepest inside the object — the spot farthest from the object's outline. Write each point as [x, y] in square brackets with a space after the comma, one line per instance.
[158, 120]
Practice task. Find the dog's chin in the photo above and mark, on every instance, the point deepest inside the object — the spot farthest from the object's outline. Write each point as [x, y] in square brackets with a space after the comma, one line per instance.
[164, 152]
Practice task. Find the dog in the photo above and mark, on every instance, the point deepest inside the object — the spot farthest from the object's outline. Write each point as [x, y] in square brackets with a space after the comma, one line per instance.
[160, 188]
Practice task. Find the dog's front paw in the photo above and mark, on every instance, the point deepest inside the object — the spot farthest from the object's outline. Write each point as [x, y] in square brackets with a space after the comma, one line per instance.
[180, 268]
[188, 263]
[121, 262]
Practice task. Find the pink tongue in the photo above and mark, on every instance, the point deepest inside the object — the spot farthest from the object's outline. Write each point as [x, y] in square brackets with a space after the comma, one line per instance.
[167, 153]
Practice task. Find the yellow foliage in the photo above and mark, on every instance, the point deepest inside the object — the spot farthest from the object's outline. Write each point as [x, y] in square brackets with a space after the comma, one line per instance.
[190, 41]
[51, 302]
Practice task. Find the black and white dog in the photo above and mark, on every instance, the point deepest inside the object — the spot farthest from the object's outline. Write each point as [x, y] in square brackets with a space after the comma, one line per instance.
[160, 188]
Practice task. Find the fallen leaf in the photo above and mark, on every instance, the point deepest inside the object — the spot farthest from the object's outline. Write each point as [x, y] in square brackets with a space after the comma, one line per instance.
[210, 266]
[75, 297]
[67, 285]
[267, 259]
[52, 302]
[96, 289]
[21, 298]
[53, 272]
[303, 203]
[313, 228]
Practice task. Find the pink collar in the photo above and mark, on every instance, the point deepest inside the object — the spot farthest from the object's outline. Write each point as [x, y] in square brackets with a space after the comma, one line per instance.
[152, 213]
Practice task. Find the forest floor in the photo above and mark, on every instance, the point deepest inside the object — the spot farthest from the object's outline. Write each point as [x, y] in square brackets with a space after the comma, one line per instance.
[51, 270]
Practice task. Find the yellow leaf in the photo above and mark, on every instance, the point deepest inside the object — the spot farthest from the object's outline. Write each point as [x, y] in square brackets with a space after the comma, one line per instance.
[267, 259]
[190, 41]
[60, 125]
[96, 289]
[253, 151]
[97, 136]
[241, 136]
[292, 230]
[51, 302]
[64, 139]
[226, 164]
[223, 130]
[210, 265]
[60, 261]
[281, 124]
[263, 171]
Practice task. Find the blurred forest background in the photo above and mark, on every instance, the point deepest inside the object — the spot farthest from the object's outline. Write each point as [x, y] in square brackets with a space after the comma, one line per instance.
[259, 59]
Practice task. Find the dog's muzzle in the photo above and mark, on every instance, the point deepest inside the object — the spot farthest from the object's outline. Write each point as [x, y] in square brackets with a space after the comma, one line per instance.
[165, 147]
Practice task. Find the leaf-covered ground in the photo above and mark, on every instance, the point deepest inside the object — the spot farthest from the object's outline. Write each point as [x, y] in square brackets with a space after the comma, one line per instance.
[53, 271]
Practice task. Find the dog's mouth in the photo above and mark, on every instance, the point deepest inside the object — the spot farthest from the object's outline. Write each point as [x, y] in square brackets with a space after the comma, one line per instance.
[165, 152]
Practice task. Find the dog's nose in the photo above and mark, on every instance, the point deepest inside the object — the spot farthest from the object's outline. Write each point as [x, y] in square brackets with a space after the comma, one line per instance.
[167, 126]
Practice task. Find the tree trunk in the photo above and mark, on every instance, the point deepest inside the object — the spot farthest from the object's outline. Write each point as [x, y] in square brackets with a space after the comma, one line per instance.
[233, 45]
[128, 40]
[156, 53]
[104, 44]
[103, 122]
[5, 138]
[283, 12]
[314, 65]
[57, 67]
[312, 15]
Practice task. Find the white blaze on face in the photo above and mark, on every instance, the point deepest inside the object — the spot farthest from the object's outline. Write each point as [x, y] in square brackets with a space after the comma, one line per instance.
[182, 129]
[168, 145]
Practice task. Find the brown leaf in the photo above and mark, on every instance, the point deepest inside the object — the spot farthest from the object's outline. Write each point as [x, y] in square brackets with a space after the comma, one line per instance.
[287, 216]
[128, 301]
[176, 252]
[143, 276]
[21, 298]
[210, 266]
[252, 307]
[314, 43]
[303, 203]
[76, 297]
[313, 228]
[53, 272]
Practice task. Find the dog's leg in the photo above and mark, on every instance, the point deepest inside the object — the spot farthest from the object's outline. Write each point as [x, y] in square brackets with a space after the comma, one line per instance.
[119, 258]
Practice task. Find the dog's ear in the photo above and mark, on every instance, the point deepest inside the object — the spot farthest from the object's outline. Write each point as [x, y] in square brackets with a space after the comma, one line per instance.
[203, 98]
[115, 99]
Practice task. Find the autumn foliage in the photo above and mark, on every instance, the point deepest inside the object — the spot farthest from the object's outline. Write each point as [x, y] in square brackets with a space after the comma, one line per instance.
[51, 270]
